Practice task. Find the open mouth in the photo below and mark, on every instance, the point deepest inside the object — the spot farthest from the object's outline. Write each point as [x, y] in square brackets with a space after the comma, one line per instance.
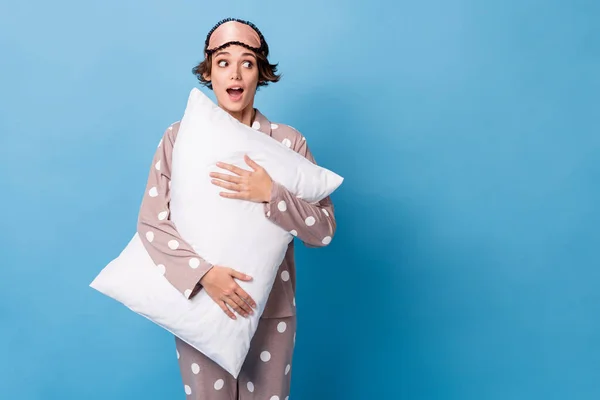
[235, 93]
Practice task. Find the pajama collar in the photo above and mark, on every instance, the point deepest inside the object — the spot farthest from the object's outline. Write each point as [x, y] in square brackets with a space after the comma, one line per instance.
[261, 123]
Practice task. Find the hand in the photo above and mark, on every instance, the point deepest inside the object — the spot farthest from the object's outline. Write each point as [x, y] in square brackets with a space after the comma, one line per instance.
[220, 285]
[252, 185]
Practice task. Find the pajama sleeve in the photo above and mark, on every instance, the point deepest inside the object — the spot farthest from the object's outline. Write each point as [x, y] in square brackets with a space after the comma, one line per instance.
[313, 224]
[175, 258]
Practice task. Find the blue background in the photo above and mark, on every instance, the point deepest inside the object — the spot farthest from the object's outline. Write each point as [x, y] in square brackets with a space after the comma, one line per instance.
[466, 261]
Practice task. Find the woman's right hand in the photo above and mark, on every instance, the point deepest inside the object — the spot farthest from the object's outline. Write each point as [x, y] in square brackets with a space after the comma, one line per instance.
[219, 283]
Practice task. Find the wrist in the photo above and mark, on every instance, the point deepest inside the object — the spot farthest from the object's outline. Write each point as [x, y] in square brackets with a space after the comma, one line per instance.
[205, 278]
[268, 193]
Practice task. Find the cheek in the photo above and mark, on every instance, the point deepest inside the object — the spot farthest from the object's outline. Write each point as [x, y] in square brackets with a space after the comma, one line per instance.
[219, 83]
[252, 76]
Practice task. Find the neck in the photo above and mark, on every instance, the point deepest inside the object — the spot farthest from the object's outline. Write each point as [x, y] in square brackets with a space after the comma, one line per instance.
[245, 116]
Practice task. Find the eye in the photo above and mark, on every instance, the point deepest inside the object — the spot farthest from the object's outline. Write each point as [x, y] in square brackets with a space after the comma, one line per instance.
[222, 63]
[248, 64]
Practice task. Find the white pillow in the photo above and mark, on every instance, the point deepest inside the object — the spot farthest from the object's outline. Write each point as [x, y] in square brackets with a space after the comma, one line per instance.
[228, 232]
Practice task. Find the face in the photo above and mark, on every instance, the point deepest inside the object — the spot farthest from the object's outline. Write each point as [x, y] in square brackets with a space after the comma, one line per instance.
[234, 78]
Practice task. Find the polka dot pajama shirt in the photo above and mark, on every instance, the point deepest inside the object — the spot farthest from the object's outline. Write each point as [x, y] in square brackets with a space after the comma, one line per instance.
[266, 372]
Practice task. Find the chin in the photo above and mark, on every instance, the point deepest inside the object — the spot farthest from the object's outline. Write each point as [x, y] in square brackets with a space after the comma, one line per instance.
[233, 107]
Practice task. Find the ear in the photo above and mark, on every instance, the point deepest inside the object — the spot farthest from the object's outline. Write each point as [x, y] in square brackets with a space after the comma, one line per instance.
[206, 76]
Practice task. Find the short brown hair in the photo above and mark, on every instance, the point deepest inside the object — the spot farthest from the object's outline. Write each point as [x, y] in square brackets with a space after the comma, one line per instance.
[266, 71]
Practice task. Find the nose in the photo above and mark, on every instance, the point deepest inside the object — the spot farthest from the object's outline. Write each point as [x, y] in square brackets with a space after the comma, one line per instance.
[236, 75]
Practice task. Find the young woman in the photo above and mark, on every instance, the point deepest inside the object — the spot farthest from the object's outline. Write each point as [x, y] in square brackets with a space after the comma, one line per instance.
[235, 64]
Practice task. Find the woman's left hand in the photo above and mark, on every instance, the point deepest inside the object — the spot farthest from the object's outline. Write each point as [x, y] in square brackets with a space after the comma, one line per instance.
[252, 185]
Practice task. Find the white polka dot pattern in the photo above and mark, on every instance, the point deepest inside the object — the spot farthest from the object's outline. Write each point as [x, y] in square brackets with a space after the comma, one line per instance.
[250, 387]
[310, 221]
[153, 192]
[287, 369]
[150, 236]
[157, 165]
[265, 356]
[163, 215]
[281, 327]
[173, 244]
[161, 269]
[285, 275]
[287, 142]
[195, 369]
[219, 384]
[282, 206]
[187, 293]
[188, 390]
[194, 263]
[274, 126]
[326, 240]
[293, 232]
[256, 125]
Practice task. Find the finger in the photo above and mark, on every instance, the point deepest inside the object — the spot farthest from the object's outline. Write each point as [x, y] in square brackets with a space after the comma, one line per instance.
[226, 309]
[233, 168]
[240, 275]
[251, 162]
[233, 304]
[242, 304]
[241, 292]
[246, 297]
[236, 195]
[226, 177]
[226, 185]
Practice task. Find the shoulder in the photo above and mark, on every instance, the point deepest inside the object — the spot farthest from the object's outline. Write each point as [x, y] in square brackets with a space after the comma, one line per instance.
[288, 135]
[171, 132]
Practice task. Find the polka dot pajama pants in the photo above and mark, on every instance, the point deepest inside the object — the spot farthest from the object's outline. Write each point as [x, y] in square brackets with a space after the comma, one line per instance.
[265, 375]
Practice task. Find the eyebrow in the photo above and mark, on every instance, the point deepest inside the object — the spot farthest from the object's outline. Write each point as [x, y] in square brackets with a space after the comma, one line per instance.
[226, 52]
